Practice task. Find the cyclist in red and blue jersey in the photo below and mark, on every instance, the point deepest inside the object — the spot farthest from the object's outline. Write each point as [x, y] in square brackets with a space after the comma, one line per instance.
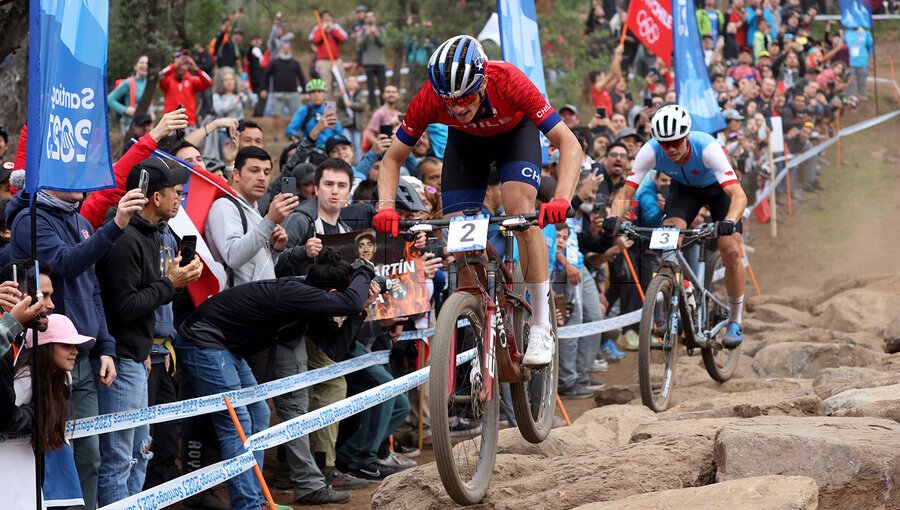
[701, 176]
[494, 113]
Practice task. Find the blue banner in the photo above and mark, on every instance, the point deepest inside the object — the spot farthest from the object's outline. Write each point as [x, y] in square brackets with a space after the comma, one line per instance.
[692, 86]
[521, 46]
[68, 135]
[856, 13]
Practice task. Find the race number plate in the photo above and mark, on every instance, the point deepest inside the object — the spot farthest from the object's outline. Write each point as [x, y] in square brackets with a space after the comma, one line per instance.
[467, 233]
[664, 239]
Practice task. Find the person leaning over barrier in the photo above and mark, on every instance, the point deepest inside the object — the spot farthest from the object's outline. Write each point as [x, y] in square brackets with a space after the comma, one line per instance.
[213, 343]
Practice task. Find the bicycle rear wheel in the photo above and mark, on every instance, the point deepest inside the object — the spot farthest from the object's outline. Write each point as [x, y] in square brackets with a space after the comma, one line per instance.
[457, 413]
[719, 361]
[658, 347]
[534, 400]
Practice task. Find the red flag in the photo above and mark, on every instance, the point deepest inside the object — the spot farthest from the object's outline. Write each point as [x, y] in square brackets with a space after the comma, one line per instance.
[651, 22]
[202, 190]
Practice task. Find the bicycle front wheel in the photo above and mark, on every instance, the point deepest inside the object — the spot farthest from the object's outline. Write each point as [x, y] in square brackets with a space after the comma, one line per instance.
[534, 400]
[658, 347]
[720, 362]
[457, 413]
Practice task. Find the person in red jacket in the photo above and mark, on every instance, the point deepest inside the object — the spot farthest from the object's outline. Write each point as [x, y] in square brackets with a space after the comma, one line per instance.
[180, 81]
[328, 39]
[98, 203]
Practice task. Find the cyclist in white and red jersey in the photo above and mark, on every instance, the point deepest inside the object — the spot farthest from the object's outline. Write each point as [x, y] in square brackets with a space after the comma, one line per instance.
[494, 113]
[701, 176]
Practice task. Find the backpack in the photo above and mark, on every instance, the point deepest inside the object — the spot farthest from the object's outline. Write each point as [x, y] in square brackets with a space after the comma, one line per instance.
[132, 90]
[243, 226]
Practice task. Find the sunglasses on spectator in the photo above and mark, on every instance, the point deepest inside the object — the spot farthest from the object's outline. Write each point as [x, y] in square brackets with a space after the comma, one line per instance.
[672, 144]
[619, 155]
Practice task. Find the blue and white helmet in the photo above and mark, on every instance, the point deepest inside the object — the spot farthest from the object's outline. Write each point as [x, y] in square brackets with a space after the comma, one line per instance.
[457, 68]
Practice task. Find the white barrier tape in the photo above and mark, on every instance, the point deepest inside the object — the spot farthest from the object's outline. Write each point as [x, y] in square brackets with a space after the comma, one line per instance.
[593, 328]
[796, 160]
[211, 403]
[427, 333]
[837, 17]
[183, 487]
[333, 413]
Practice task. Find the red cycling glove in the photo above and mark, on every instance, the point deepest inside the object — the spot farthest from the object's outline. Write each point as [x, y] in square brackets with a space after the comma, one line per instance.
[387, 221]
[553, 212]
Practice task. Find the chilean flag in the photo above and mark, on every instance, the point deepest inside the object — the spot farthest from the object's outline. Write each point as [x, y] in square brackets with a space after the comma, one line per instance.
[201, 191]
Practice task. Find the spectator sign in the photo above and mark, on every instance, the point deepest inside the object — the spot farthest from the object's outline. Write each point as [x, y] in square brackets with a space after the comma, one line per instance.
[68, 146]
[394, 259]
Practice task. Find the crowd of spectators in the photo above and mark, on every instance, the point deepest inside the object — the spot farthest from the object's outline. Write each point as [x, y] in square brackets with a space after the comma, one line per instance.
[118, 275]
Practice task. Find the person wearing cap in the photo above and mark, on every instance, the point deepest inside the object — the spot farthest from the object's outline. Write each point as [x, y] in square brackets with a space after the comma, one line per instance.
[631, 139]
[6, 170]
[58, 347]
[733, 120]
[285, 78]
[569, 115]
[134, 282]
[310, 120]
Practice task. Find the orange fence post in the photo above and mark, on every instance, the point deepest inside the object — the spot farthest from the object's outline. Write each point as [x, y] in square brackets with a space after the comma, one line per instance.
[750, 271]
[562, 409]
[624, 32]
[894, 79]
[787, 180]
[259, 475]
[637, 282]
[421, 424]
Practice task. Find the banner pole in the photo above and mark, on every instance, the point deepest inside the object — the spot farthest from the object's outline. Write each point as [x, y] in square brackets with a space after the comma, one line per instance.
[624, 31]
[336, 75]
[256, 470]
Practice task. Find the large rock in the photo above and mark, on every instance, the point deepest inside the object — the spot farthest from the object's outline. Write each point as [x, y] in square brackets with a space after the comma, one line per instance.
[832, 381]
[617, 394]
[564, 482]
[778, 313]
[855, 461]
[808, 359]
[620, 420]
[859, 310]
[755, 493]
[706, 428]
[879, 402]
[789, 400]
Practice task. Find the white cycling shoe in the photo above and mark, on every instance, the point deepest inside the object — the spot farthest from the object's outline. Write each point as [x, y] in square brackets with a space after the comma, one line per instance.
[540, 348]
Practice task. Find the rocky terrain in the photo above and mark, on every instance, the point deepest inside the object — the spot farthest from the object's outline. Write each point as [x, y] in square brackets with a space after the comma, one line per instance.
[811, 420]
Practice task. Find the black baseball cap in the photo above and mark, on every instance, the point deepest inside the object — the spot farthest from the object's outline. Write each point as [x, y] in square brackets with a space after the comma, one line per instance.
[161, 176]
[336, 140]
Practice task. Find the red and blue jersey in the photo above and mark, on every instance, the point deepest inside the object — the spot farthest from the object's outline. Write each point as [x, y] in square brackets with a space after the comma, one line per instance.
[510, 96]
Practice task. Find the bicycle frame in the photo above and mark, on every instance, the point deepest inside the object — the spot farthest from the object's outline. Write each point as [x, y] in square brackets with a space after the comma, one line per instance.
[508, 365]
[694, 332]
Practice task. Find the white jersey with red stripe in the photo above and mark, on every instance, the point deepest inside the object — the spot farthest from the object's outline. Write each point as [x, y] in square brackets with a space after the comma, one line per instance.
[510, 96]
[706, 164]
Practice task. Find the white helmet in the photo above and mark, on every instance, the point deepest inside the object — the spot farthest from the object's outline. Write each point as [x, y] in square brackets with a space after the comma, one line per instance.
[670, 122]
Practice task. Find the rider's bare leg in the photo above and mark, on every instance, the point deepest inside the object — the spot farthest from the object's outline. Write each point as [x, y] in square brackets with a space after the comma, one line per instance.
[730, 252]
[519, 198]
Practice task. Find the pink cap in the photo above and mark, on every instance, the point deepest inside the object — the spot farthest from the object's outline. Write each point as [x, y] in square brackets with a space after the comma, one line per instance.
[60, 330]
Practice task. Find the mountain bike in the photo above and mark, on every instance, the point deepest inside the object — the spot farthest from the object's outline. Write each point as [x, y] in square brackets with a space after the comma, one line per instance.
[487, 323]
[674, 311]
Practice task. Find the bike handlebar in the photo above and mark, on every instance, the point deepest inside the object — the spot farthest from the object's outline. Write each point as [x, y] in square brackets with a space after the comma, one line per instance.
[704, 231]
[510, 221]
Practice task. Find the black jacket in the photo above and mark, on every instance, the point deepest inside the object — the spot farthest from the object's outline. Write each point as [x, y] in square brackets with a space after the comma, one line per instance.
[250, 318]
[285, 75]
[133, 287]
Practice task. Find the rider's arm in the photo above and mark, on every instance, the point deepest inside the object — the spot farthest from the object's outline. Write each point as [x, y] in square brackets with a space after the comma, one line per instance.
[570, 158]
[419, 115]
[715, 159]
[643, 162]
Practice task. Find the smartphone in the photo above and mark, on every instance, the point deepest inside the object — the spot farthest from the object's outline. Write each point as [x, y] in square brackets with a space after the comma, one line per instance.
[435, 246]
[648, 102]
[664, 191]
[241, 125]
[329, 107]
[289, 185]
[386, 129]
[188, 250]
[179, 133]
[601, 112]
[27, 286]
[629, 97]
[144, 182]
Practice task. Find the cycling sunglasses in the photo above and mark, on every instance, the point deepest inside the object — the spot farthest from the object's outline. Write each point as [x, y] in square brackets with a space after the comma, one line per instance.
[460, 101]
[672, 144]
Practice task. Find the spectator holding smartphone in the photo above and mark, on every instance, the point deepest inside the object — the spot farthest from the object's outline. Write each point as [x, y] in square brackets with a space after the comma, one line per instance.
[312, 120]
[386, 115]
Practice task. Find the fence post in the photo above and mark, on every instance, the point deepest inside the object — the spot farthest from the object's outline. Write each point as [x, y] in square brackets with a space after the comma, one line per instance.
[256, 470]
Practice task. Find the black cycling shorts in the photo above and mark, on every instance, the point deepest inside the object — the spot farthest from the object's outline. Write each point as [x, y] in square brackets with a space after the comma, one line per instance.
[468, 158]
[686, 201]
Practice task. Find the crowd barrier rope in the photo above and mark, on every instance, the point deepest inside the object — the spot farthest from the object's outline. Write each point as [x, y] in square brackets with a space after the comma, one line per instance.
[797, 159]
[95, 425]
